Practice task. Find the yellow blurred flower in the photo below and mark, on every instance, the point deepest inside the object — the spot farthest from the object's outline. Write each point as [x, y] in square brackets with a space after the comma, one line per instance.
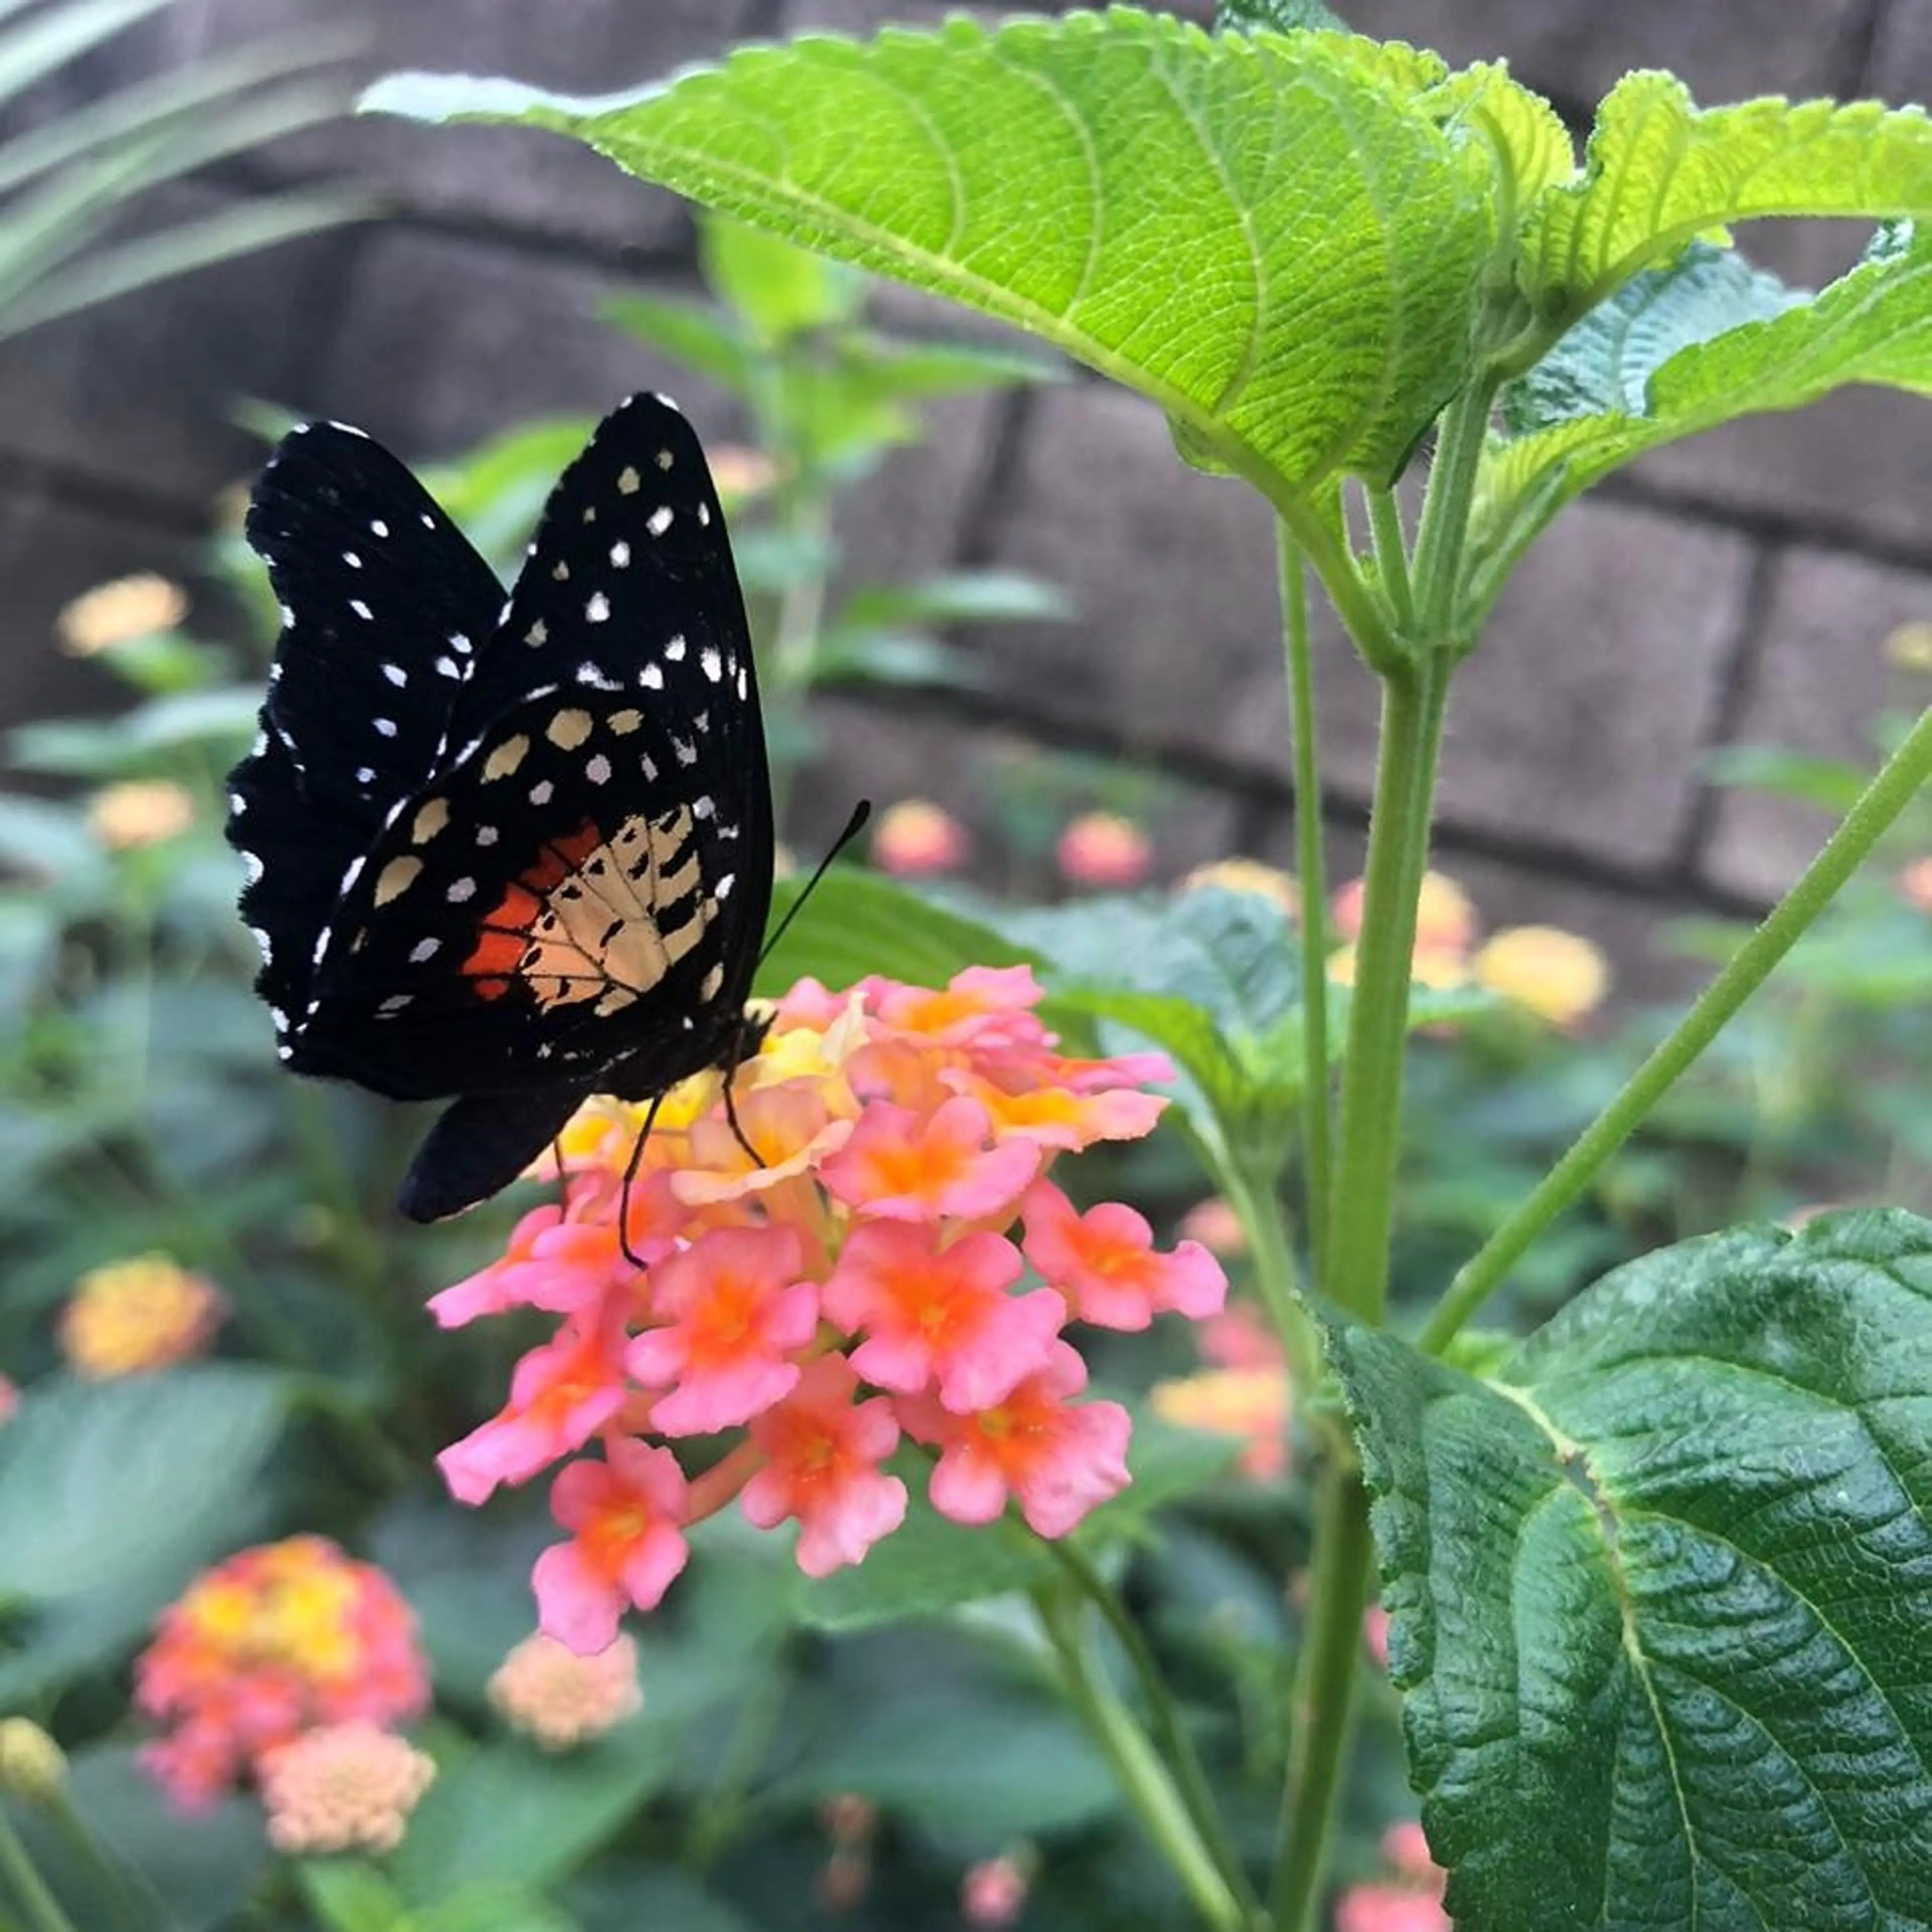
[139, 811]
[916, 838]
[1909, 647]
[1445, 928]
[1558, 975]
[33, 1768]
[114, 613]
[1439, 971]
[1250, 875]
[137, 1316]
[1250, 1403]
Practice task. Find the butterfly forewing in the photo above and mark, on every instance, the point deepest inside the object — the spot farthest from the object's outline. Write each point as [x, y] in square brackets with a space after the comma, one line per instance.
[526, 866]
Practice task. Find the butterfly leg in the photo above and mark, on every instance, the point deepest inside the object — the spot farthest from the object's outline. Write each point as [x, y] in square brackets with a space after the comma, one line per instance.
[737, 1131]
[631, 1166]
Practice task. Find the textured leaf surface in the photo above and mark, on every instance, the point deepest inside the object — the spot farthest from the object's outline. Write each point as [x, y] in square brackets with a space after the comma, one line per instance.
[1680, 349]
[1660, 1590]
[1267, 235]
[1659, 171]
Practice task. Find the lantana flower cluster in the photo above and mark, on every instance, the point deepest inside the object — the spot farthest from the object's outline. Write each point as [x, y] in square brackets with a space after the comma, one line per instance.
[895, 1264]
[279, 1640]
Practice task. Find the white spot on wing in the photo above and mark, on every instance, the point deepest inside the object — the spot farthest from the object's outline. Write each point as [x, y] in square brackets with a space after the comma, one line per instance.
[704, 516]
[598, 610]
[486, 835]
[620, 555]
[713, 664]
[540, 792]
[424, 950]
[365, 774]
[722, 890]
[664, 459]
[651, 677]
[448, 667]
[396, 676]
[460, 889]
[659, 520]
[598, 769]
[702, 807]
[588, 673]
[387, 726]
[361, 609]
[377, 527]
[674, 648]
[354, 561]
[687, 754]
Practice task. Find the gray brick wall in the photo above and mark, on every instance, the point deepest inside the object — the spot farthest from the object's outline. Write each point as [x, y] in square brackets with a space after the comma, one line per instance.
[1737, 589]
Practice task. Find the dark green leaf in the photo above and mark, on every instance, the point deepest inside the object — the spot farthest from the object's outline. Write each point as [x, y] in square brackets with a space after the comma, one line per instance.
[347, 1895]
[1659, 1592]
[928, 1566]
[1276, 16]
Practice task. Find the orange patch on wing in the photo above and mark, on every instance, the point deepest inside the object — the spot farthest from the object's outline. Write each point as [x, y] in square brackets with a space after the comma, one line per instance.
[506, 928]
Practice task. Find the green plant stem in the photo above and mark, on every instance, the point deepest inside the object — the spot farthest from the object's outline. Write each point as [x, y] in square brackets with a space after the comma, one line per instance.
[1170, 1734]
[1898, 779]
[1258, 1207]
[1362, 1205]
[1323, 1710]
[1391, 545]
[1316, 1161]
[1446, 510]
[1143, 1779]
[40, 1910]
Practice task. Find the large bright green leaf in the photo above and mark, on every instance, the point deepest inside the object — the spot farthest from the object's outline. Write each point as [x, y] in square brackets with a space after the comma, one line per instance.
[1268, 235]
[1680, 349]
[1659, 1590]
[1660, 171]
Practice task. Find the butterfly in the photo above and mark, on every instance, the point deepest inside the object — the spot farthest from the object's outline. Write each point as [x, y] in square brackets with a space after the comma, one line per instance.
[507, 853]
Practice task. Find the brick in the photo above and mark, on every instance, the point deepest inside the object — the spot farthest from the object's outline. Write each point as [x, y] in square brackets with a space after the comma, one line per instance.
[1176, 642]
[1577, 722]
[139, 392]
[519, 178]
[443, 339]
[1821, 679]
[50, 553]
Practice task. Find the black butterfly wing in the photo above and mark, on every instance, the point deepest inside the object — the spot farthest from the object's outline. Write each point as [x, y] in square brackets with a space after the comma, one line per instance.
[385, 605]
[562, 907]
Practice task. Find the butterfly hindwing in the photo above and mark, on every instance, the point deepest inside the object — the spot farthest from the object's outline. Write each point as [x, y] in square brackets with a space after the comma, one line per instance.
[383, 602]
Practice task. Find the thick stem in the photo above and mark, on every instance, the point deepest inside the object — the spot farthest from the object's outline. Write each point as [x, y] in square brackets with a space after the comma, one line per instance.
[1315, 1159]
[1143, 1782]
[1322, 1716]
[1362, 1203]
[1258, 1207]
[1391, 545]
[1878, 806]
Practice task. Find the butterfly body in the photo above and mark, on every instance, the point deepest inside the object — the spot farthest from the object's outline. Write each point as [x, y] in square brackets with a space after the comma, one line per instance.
[505, 852]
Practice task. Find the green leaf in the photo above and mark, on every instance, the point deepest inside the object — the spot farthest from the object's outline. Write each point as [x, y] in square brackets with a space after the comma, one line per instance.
[928, 1566]
[991, 1765]
[1659, 1590]
[620, 1898]
[960, 597]
[347, 1895]
[1659, 171]
[856, 923]
[102, 1481]
[781, 291]
[1276, 16]
[891, 657]
[1266, 236]
[511, 1816]
[493, 1908]
[1683, 349]
[697, 335]
[1832, 784]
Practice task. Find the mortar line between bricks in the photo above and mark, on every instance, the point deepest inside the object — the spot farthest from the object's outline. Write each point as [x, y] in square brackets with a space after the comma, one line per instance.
[1738, 665]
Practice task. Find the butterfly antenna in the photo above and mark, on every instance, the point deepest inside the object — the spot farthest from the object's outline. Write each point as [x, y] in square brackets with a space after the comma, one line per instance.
[854, 826]
[631, 1166]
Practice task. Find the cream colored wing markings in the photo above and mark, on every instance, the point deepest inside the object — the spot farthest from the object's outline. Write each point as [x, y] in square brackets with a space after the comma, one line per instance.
[612, 926]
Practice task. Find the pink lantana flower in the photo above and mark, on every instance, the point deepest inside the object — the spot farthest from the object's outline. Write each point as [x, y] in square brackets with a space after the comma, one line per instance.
[1057, 1459]
[822, 1453]
[736, 1309]
[1104, 1262]
[561, 1394]
[626, 1517]
[931, 1314]
[897, 1167]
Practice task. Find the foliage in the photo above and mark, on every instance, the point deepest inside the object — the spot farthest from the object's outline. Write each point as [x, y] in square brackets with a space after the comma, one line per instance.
[1653, 1570]
[67, 180]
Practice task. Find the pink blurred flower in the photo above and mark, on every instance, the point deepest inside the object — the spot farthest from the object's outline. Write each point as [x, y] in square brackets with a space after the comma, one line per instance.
[994, 1891]
[1389, 1908]
[277, 1640]
[915, 839]
[1101, 849]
